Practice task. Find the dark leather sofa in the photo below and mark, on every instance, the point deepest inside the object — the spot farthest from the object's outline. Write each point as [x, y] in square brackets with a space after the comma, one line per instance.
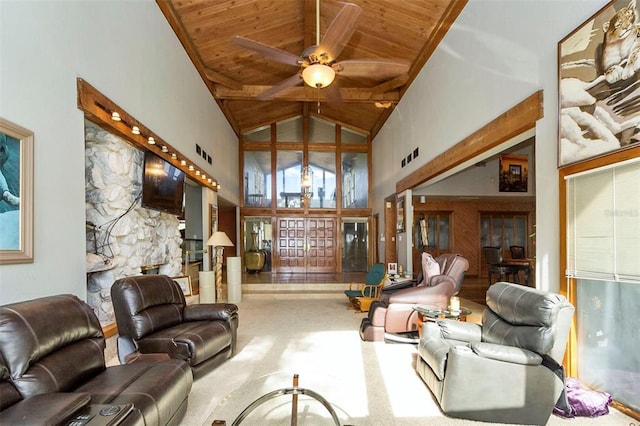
[52, 367]
[153, 317]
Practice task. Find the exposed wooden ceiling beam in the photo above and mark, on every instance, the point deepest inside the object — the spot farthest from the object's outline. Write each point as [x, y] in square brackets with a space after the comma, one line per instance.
[304, 94]
[394, 83]
[222, 79]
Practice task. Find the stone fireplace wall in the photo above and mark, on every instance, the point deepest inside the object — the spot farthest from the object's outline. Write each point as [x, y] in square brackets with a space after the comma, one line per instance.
[128, 238]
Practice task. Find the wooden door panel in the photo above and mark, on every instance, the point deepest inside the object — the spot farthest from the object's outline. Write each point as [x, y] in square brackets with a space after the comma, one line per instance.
[307, 245]
[321, 256]
[291, 241]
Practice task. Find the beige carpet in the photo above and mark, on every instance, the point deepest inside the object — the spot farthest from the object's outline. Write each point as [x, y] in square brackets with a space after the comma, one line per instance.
[368, 383]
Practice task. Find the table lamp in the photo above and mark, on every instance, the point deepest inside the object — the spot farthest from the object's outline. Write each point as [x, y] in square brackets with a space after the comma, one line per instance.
[219, 240]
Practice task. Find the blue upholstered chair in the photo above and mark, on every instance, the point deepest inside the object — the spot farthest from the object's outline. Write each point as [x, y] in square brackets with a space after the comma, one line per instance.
[371, 288]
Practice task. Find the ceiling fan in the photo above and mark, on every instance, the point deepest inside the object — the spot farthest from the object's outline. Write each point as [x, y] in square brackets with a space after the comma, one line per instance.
[317, 63]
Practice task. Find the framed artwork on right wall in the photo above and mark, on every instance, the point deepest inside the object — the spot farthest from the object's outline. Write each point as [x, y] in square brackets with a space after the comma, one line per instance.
[598, 95]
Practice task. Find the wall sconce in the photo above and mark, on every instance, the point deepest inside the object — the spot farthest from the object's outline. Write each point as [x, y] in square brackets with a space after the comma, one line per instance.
[306, 182]
[135, 130]
[151, 140]
[115, 116]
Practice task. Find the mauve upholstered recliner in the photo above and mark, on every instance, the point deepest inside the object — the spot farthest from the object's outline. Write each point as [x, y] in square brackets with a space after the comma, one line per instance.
[393, 315]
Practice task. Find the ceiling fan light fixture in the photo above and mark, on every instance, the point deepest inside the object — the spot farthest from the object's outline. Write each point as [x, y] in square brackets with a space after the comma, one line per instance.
[318, 75]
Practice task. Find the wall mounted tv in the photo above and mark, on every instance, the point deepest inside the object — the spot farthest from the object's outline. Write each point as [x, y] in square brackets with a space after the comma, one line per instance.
[162, 185]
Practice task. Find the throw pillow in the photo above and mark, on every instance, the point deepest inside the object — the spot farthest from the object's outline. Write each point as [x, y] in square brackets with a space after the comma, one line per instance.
[430, 268]
[578, 400]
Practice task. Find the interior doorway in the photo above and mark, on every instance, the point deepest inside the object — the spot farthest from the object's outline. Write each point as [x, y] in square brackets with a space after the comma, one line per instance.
[355, 244]
[306, 244]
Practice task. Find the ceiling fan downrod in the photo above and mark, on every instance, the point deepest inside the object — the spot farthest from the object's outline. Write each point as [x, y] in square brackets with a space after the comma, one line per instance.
[317, 22]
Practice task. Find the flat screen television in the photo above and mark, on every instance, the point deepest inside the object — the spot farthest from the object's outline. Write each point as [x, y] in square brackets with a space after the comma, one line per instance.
[162, 185]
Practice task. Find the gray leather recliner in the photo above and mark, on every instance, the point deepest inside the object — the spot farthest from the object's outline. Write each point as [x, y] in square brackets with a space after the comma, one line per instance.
[505, 369]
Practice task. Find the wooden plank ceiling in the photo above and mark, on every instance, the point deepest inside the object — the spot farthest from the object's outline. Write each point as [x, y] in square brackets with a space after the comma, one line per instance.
[407, 31]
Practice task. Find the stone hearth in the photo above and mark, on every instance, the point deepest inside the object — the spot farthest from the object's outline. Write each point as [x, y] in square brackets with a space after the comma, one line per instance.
[127, 235]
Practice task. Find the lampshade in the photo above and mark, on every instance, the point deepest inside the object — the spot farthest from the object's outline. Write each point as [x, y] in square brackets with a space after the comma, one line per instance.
[318, 75]
[219, 239]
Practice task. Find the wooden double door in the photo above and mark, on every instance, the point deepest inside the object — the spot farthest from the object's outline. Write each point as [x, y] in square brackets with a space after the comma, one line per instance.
[306, 244]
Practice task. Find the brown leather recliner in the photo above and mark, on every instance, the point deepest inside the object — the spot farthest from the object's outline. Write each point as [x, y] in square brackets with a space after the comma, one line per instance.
[153, 317]
[393, 315]
[52, 368]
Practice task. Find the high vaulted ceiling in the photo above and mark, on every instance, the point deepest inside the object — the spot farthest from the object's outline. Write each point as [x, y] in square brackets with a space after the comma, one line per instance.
[407, 31]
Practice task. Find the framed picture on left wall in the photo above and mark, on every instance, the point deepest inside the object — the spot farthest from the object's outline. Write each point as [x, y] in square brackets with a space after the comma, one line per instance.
[185, 284]
[16, 193]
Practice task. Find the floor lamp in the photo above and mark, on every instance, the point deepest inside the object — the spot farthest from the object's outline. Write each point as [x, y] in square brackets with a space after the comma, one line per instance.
[219, 240]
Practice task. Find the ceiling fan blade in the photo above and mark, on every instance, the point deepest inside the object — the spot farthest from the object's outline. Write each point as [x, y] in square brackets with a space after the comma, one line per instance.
[269, 52]
[294, 80]
[381, 69]
[340, 31]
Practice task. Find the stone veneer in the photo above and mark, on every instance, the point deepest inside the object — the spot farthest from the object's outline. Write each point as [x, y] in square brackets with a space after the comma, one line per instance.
[130, 236]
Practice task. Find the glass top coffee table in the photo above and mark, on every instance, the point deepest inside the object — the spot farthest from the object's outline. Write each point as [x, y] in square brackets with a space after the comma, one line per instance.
[283, 399]
[432, 313]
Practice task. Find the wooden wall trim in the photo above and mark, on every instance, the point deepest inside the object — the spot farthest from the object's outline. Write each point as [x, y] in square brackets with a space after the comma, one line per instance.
[390, 230]
[110, 330]
[97, 108]
[515, 121]
[568, 286]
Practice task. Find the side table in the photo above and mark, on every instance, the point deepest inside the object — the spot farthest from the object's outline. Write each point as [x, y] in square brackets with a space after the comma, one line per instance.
[431, 313]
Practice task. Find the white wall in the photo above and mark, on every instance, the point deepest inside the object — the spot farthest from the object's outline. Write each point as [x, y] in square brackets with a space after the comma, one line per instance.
[127, 51]
[481, 181]
[496, 54]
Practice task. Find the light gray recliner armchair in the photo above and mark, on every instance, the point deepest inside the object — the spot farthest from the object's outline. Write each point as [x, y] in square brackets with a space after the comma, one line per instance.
[502, 370]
